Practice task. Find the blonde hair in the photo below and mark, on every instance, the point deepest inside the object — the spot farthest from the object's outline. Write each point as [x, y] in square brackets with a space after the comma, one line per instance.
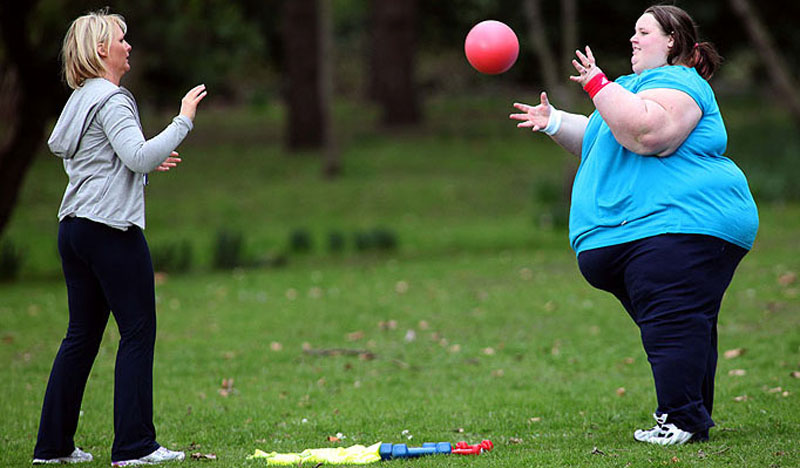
[79, 52]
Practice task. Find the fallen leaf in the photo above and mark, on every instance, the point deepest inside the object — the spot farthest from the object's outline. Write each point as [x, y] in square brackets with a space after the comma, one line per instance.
[701, 454]
[423, 325]
[628, 360]
[498, 373]
[733, 353]
[675, 459]
[459, 430]
[401, 287]
[488, 351]
[597, 451]
[514, 440]
[737, 372]
[775, 390]
[787, 278]
[411, 335]
[355, 336]
[785, 394]
[333, 439]
[535, 419]
[160, 278]
[741, 398]
[795, 374]
[227, 387]
[621, 391]
[204, 456]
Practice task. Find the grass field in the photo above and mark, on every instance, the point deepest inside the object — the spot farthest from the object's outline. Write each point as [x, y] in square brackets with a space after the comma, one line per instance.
[477, 326]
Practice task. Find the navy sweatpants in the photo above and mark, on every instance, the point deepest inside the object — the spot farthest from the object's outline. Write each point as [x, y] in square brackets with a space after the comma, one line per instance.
[106, 270]
[672, 286]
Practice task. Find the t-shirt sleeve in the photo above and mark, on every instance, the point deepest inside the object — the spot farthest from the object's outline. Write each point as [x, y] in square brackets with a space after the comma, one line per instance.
[679, 78]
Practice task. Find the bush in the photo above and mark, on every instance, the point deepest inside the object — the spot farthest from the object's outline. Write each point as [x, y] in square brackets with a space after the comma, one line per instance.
[552, 205]
[228, 250]
[336, 242]
[384, 239]
[375, 239]
[11, 258]
[173, 257]
[300, 241]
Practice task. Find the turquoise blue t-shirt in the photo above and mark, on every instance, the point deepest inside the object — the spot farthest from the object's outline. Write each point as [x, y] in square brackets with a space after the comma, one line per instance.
[620, 196]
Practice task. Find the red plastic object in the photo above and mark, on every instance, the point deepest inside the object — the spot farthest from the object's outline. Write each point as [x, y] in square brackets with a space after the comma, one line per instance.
[463, 448]
[491, 47]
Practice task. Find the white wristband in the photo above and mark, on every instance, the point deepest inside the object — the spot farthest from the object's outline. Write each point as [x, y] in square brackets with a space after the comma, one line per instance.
[554, 123]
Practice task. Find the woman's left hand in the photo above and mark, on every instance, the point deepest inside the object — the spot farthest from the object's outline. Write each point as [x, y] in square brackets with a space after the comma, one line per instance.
[587, 67]
[171, 161]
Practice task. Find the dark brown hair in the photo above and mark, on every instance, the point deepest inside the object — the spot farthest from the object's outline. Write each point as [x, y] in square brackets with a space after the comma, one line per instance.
[686, 48]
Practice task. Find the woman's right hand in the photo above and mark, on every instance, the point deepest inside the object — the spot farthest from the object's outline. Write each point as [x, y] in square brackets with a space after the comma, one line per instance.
[190, 101]
[533, 117]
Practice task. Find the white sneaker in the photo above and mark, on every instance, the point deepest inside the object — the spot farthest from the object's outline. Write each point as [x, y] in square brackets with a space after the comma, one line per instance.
[77, 456]
[663, 433]
[162, 455]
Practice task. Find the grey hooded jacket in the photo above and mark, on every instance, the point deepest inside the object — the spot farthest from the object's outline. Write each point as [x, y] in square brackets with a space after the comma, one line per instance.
[106, 156]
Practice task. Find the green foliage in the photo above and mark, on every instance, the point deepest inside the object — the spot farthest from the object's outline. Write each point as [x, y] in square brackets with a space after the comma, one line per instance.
[11, 260]
[336, 241]
[300, 241]
[172, 257]
[178, 44]
[228, 250]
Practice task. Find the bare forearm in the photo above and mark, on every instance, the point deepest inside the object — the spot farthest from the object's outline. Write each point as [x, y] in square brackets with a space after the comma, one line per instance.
[570, 135]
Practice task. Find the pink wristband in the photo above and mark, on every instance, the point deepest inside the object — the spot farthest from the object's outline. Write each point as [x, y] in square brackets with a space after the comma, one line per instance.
[596, 84]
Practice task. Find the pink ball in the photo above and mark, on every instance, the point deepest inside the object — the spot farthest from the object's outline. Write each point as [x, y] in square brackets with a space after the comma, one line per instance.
[491, 47]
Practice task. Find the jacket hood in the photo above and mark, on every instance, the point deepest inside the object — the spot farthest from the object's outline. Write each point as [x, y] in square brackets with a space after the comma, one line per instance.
[78, 113]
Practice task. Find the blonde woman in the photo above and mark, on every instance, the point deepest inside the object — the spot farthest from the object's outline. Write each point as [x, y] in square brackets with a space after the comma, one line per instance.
[105, 258]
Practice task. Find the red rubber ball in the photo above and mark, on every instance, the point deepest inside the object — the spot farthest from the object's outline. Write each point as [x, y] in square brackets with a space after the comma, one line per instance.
[491, 47]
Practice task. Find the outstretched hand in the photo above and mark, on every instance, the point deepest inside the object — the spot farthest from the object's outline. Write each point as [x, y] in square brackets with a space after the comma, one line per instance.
[587, 67]
[533, 117]
[172, 161]
[191, 100]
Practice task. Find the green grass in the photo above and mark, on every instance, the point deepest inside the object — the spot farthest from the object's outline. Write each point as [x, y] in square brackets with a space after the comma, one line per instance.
[509, 342]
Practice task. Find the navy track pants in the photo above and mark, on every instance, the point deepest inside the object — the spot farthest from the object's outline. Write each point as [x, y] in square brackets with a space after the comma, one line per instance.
[106, 270]
[672, 286]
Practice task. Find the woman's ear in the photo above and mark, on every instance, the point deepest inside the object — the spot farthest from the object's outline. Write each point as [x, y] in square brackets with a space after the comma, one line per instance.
[101, 49]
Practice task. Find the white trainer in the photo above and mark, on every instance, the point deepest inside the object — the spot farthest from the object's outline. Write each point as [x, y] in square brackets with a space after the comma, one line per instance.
[77, 456]
[663, 433]
[162, 455]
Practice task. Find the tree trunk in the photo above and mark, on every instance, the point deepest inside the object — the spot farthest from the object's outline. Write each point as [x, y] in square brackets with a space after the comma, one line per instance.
[392, 61]
[308, 119]
[569, 44]
[776, 65]
[333, 164]
[31, 94]
[570, 92]
[537, 34]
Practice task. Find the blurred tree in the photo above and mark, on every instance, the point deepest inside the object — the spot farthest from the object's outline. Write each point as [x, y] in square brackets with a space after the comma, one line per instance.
[306, 76]
[178, 44]
[392, 60]
[777, 67]
[30, 91]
